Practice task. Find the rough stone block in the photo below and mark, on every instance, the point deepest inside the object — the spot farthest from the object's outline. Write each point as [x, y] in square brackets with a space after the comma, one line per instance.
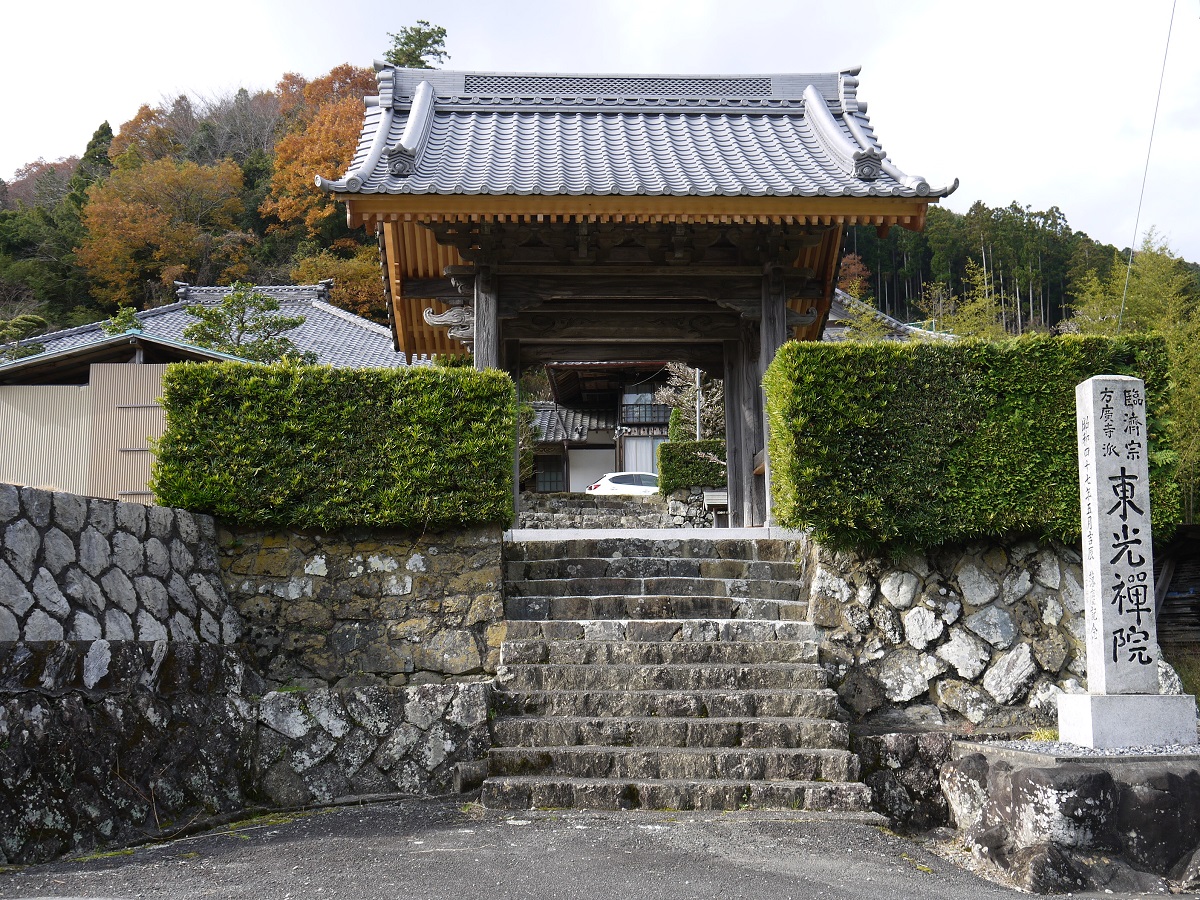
[95, 554]
[10, 503]
[1011, 674]
[36, 505]
[41, 627]
[922, 627]
[13, 593]
[20, 547]
[994, 625]
[10, 628]
[1108, 721]
[978, 587]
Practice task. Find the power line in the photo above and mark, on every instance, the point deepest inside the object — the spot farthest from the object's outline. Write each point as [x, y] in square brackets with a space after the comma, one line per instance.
[1145, 172]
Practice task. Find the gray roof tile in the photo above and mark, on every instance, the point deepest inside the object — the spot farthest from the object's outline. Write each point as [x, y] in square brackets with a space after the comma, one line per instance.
[339, 338]
[555, 424]
[496, 133]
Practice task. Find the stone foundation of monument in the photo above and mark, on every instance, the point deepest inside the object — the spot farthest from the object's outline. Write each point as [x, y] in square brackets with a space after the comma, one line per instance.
[1109, 721]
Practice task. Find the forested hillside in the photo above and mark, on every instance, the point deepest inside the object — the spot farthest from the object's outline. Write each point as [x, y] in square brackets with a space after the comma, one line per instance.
[204, 190]
[1018, 270]
[210, 190]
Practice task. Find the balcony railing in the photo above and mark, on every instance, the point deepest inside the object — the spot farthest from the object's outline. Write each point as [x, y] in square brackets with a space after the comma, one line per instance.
[645, 413]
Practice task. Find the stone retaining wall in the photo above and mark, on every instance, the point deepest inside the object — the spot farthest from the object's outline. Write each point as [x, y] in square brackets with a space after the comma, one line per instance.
[984, 636]
[367, 607]
[80, 569]
[683, 509]
[322, 744]
[105, 741]
[129, 696]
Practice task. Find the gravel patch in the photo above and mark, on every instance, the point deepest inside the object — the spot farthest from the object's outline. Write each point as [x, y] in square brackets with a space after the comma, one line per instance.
[1062, 748]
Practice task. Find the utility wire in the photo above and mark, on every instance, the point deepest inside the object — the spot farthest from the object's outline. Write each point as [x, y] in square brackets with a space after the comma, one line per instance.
[1145, 172]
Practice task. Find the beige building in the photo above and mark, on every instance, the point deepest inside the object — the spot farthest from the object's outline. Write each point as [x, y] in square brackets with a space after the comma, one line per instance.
[82, 414]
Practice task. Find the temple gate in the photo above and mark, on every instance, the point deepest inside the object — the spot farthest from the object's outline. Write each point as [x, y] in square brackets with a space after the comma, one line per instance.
[556, 218]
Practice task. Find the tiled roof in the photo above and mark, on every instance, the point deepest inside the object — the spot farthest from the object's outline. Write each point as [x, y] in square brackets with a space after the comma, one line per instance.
[840, 311]
[555, 424]
[439, 132]
[338, 338]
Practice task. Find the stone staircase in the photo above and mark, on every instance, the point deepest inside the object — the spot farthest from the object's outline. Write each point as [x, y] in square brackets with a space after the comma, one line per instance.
[664, 673]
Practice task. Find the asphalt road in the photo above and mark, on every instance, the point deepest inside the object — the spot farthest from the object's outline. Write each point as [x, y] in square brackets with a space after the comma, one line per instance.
[446, 850]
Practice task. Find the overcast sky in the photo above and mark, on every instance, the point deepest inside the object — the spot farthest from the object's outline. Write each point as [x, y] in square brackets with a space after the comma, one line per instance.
[1045, 103]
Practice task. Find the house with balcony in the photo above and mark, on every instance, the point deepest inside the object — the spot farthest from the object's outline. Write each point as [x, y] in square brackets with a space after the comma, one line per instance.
[602, 419]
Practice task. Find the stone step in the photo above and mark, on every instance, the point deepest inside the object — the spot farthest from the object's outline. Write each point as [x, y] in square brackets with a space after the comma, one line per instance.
[651, 587]
[541, 652]
[717, 763]
[787, 676]
[624, 606]
[819, 703]
[666, 629]
[765, 549]
[764, 733]
[651, 567]
[533, 792]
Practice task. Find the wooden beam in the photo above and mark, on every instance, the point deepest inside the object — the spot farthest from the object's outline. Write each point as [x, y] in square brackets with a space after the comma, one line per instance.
[699, 356]
[360, 207]
[606, 325]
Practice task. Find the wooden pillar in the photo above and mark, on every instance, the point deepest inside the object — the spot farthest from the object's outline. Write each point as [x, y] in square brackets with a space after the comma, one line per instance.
[734, 467]
[512, 364]
[772, 335]
[487, 326]
[755, 499]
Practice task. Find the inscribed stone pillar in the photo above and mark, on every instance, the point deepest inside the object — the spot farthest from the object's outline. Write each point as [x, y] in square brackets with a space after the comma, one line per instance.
[1122, 707]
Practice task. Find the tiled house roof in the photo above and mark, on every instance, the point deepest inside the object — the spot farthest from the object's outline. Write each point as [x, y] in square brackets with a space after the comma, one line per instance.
[338, 338]
[443, 132]
[836, 327]
[555, 424]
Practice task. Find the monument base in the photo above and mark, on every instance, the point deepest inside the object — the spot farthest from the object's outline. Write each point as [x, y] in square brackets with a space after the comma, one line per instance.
[1111, 721]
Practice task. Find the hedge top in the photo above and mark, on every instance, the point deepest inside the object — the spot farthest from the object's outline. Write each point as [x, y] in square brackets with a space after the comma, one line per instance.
[907, 446]
[313, 447]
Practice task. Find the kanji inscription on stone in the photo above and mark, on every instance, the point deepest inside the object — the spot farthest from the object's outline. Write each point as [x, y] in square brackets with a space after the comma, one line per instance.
[1118, 560]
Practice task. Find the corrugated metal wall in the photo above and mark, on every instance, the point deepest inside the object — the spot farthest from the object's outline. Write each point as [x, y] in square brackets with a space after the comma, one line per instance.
[125, 417]
[45, 433]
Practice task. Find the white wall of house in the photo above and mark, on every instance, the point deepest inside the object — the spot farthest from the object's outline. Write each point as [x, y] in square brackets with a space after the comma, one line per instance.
[588, 465]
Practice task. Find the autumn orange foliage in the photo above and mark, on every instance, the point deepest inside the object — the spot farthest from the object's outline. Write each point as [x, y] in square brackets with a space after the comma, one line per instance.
[325, 147]
[356, 282]
[164, 221]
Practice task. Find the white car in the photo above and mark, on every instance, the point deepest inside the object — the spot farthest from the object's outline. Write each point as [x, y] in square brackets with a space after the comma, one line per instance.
[640, 483]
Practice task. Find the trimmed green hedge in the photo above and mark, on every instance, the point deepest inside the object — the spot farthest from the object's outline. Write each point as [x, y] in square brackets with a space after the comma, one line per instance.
[314, 447]
[905, 446]
[683, 464]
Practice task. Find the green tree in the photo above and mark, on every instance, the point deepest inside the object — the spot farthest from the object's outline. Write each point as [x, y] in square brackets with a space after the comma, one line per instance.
[245, 324]
[420, 46]
[974, 313]
[1157, 281]
[17, 329]
[125, 320]
[93, 166]
[1162, 297]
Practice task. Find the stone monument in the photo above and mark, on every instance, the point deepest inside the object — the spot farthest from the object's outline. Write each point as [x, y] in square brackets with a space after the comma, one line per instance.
[1123, 707]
